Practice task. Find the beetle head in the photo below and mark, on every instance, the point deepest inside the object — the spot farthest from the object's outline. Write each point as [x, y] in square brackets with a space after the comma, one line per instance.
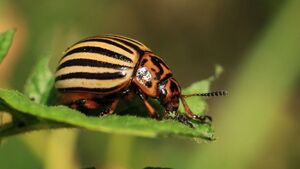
[169, 94]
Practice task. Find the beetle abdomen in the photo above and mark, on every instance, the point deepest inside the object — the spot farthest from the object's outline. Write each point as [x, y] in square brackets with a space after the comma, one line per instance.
[98, 64]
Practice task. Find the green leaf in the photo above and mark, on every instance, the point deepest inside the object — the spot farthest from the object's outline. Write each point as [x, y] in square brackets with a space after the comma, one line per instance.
[61, 116]
[5, 42]
[39, 85]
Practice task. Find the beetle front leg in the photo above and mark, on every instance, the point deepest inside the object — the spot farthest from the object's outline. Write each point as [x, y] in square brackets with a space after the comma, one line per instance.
[178, 117]
[190, 114]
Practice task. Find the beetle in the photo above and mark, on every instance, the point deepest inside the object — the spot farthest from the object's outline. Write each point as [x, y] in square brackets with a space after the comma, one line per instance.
[96, 72]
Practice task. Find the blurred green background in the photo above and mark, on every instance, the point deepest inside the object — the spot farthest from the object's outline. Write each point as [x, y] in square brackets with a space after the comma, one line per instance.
[256, 41]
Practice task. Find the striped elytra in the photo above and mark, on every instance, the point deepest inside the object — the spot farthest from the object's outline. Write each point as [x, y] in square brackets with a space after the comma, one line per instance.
[99, 64]
[96, 72]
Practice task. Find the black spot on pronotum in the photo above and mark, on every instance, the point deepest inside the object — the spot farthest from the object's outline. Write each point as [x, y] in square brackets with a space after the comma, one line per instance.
[149, 84]
[143, 62]
[169, 75]
[157, 76]
[158, 63]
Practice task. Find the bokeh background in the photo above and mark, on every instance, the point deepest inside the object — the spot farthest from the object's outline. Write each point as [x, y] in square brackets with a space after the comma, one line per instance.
[256, 41]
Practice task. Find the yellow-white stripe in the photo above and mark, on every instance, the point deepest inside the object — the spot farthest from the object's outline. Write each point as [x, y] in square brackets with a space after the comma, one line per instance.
[75, 69]
[96, 57]
[89, 83]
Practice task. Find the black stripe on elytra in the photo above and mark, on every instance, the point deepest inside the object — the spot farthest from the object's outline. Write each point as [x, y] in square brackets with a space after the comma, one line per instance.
[83, 89]
[108, 42]
[99, 50]
[130, 44]
[96, 76]
[131, 40]
[92, 63]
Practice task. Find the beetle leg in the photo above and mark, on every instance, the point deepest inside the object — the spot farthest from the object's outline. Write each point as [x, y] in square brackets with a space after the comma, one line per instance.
[203, 118]
[111, 108]
[85, 104]
[178, 117]
[183, 119]
[150, 109]
[190, 114]
[128, 95]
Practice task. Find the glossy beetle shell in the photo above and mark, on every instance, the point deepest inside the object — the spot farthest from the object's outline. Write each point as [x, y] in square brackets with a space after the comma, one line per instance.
[101, 65]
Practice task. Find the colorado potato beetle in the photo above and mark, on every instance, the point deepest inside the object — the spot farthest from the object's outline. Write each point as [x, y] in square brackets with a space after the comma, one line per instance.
[96, 72]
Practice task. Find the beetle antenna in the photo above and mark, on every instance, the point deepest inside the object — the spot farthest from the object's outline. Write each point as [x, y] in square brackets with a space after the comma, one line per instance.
[209, 94]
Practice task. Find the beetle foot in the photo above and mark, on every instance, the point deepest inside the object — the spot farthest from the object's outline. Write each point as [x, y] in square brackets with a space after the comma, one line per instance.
[104, 112]
[78, 104]
[202, 118]
[183, 119]
[179, 117]
[157, 116]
